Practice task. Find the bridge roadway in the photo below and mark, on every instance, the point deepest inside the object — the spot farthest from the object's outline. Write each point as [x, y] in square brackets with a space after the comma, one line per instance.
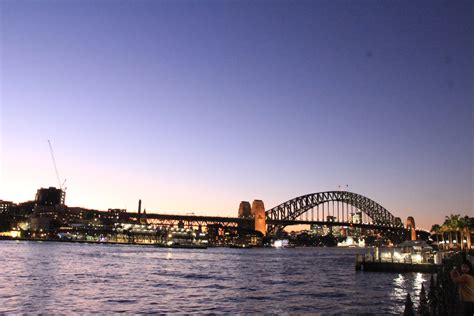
[235, 221]
[197, 219]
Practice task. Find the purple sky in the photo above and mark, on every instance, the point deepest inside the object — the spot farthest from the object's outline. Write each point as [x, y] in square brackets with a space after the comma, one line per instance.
[193, 106]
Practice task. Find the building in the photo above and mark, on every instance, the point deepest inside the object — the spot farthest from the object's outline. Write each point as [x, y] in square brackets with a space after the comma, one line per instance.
[50, 197]
[5, 206]
[356, 218]
[320, 230]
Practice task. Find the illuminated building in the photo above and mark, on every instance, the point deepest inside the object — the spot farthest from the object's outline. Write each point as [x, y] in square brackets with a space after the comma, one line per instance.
[356, 218]
[337, 231]
[5, 206]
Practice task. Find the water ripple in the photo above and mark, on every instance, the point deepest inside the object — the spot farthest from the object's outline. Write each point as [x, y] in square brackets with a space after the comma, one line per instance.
[60, 278]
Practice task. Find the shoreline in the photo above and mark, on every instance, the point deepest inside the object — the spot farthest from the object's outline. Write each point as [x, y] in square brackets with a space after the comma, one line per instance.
[158, 245]
[105, 242]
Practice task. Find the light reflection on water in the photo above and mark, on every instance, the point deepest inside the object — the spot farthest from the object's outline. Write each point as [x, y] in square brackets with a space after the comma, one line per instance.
[412, 281]
[82, 278]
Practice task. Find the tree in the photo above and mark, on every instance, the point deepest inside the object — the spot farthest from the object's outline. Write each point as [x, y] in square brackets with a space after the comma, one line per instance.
[409, 311]
[452, 223]
[462, 224]
[469, 227]
[423, 308]
[435, 229]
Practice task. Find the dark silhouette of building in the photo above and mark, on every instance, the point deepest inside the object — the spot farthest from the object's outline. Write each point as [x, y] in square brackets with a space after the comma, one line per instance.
[49, 197]
[5, 206]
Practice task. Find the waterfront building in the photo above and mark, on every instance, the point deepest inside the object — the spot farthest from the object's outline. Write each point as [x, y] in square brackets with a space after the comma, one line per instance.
[50, 196]
[351, 242]
[356, 218]
[213, 233]
[24, 209]
[116, 214]
[248, 237]
[320, 230]
[5, 206]
[410, 251]
[180, 237]
[219, 235]
[337, 231]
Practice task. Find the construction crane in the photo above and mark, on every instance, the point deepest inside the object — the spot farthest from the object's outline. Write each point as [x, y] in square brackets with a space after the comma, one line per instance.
[61, 186]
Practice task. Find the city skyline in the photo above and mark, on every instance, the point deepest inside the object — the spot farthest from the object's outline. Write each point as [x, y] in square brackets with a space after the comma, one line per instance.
[196, 107]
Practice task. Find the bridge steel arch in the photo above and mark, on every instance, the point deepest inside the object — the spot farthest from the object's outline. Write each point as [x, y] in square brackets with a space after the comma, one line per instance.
[292, 209]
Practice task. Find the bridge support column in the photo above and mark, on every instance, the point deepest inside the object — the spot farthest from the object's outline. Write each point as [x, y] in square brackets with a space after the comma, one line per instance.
[411, 226]
[244, 209]
[258, 213]
[245, 212]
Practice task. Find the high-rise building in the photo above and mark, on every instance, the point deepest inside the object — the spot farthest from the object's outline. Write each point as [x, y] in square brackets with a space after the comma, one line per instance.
[5, 206]
[49, 197]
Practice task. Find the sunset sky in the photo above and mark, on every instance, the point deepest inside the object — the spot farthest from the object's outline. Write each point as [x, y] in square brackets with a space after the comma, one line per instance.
[193, 106]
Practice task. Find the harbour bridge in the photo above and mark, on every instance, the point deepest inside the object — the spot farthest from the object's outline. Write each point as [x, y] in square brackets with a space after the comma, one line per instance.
[331, 208]
[335, 208]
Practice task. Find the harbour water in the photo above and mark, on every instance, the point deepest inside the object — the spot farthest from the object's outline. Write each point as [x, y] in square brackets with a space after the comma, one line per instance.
[53, 277]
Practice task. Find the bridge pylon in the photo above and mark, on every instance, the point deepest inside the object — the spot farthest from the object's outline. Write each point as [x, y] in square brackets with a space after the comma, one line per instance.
[410, 225]
[258, 213]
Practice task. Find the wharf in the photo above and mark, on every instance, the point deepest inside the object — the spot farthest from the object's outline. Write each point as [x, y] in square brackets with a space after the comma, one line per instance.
[374, 266]
[409, 256]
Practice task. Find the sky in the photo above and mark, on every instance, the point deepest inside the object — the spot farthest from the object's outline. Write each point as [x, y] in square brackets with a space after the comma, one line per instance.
[194, 106]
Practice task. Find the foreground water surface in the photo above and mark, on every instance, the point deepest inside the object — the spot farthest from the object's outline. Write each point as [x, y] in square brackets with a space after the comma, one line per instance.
[51, 277]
